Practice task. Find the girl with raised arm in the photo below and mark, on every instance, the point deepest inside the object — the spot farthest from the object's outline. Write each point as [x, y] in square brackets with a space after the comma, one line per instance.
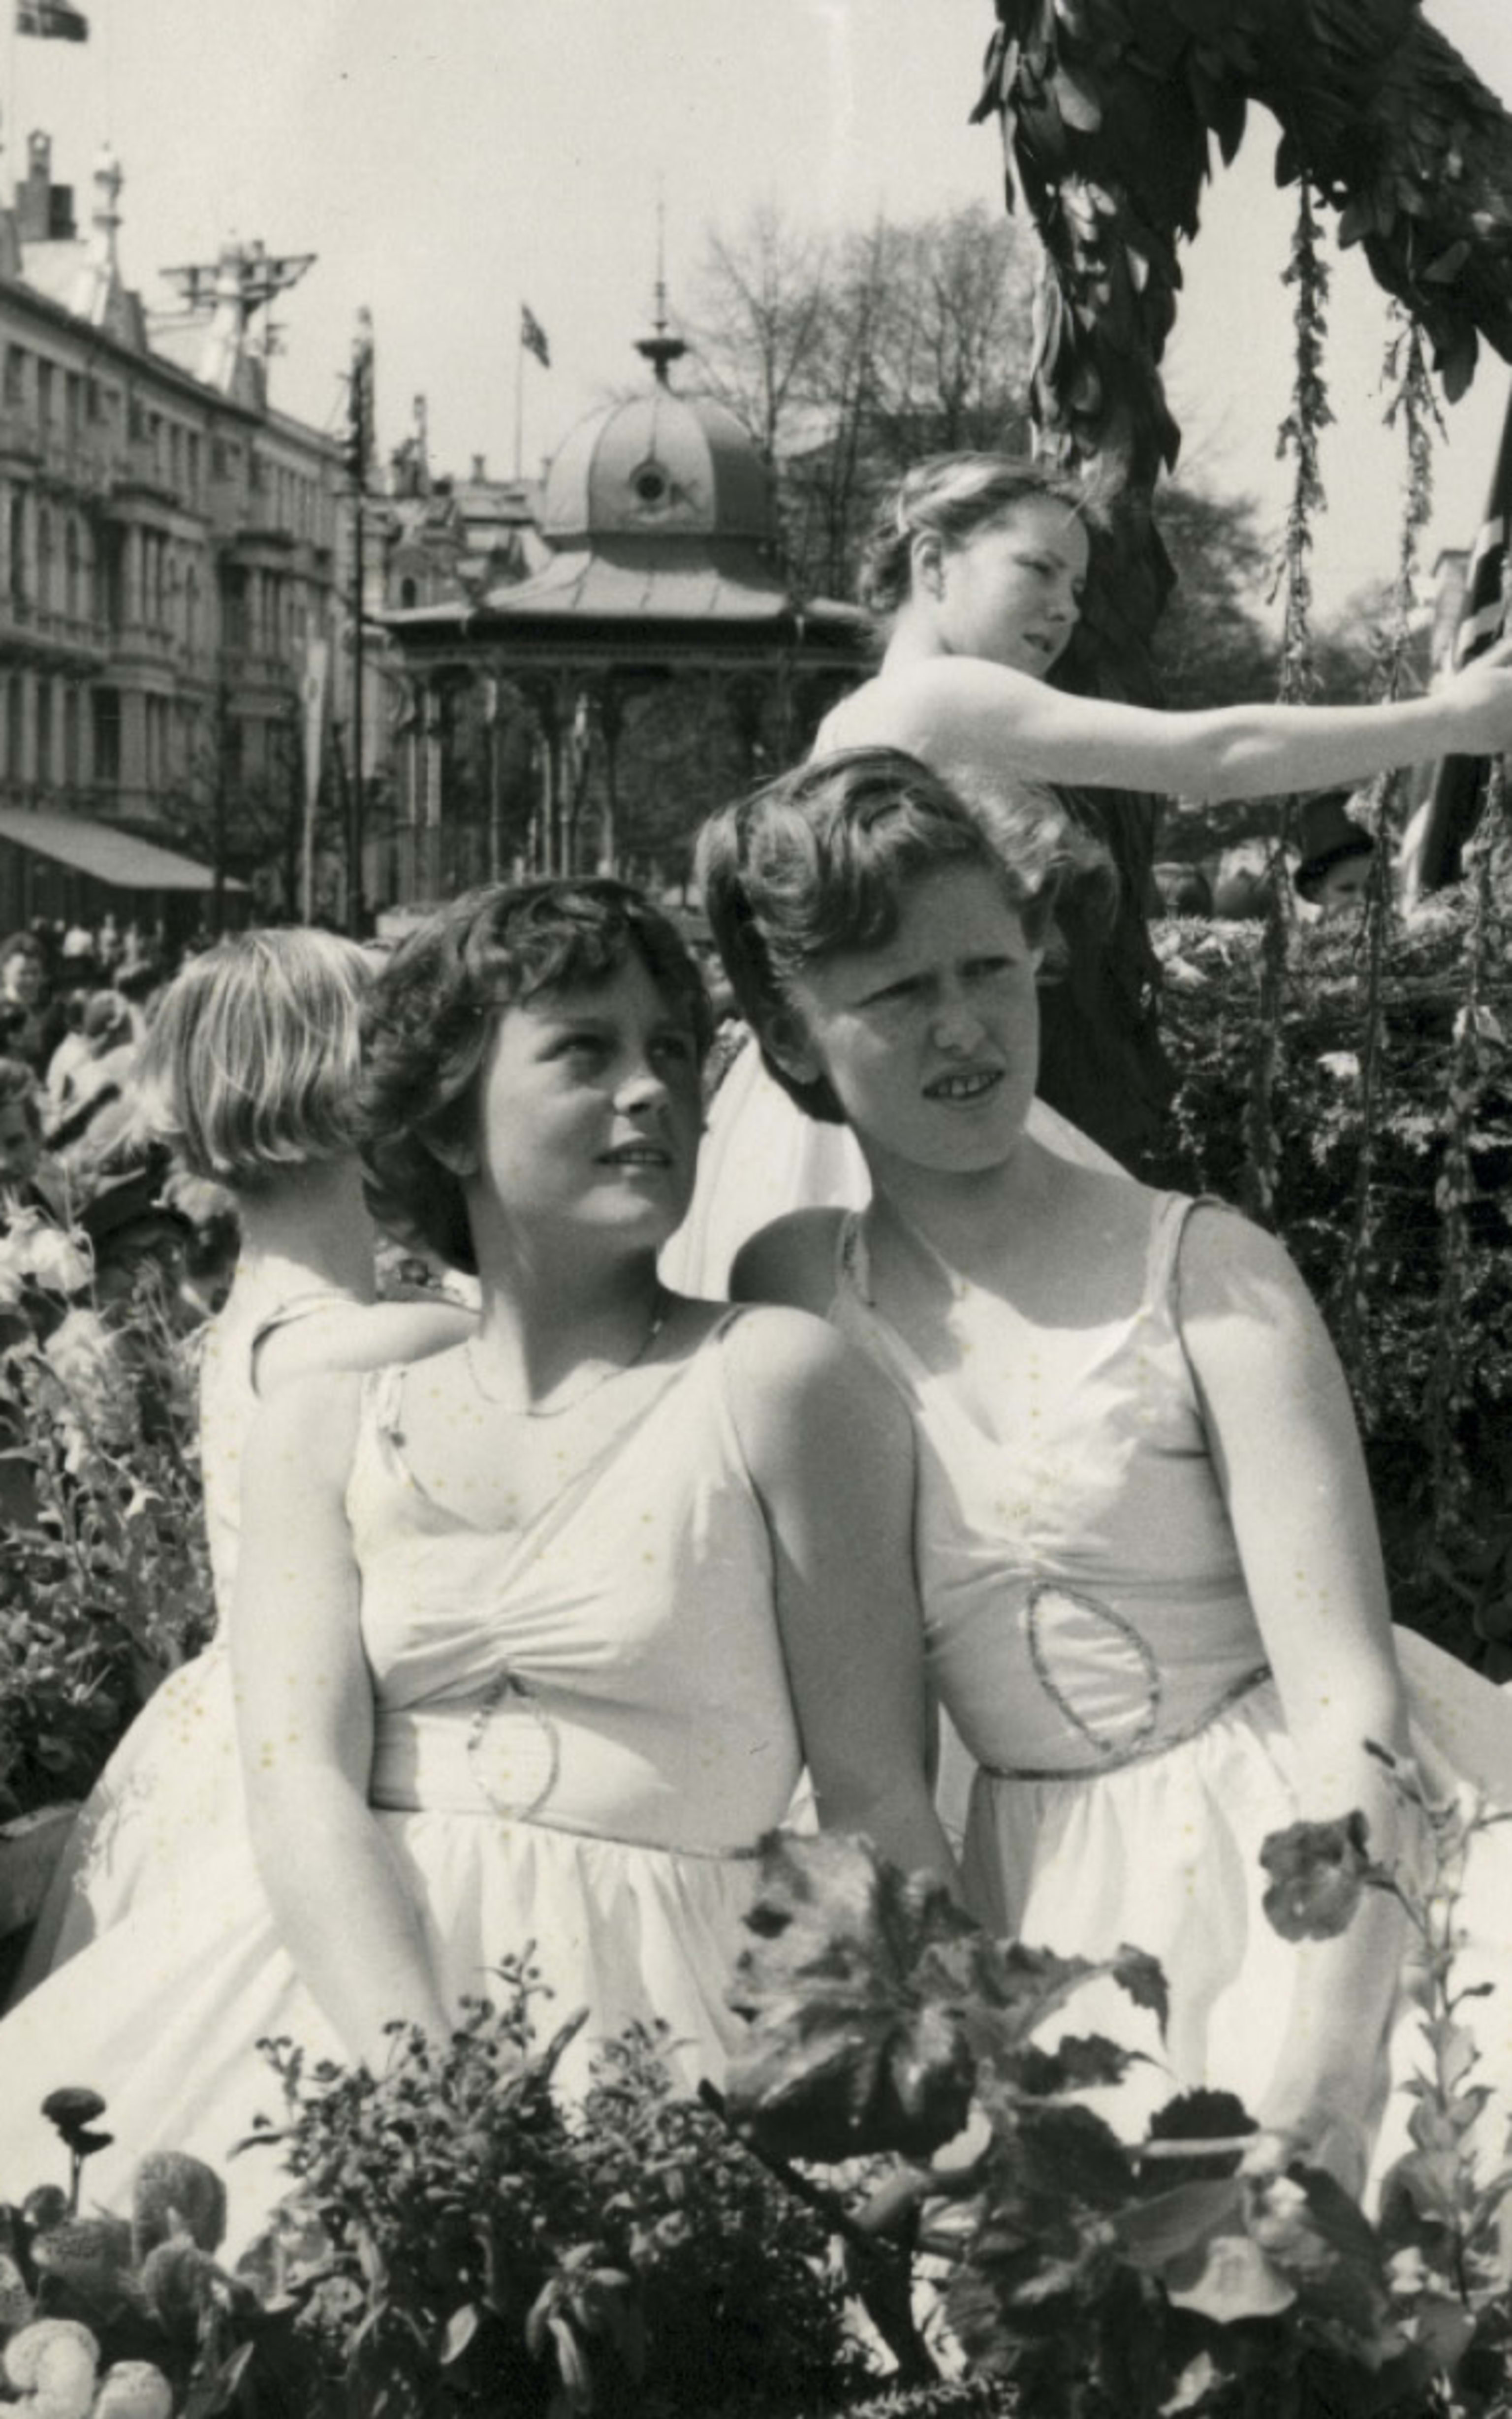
[974, 573]
[1154, 1597]
[529, 1643]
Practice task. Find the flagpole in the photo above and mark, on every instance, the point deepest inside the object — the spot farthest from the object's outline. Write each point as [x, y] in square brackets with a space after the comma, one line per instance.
[519, 402]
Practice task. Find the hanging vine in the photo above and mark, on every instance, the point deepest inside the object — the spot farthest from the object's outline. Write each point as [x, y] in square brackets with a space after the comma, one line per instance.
[1298, 438]
[1479, 1048]
[1412, 406]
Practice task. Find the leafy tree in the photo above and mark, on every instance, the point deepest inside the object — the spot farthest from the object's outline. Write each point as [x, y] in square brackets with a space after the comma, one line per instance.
[848, 360]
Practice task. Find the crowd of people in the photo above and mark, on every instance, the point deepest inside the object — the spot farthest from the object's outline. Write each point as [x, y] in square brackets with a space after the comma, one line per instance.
[899, 1397]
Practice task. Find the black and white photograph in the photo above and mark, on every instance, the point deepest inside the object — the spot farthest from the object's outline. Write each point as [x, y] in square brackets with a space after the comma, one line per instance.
[755, 1210]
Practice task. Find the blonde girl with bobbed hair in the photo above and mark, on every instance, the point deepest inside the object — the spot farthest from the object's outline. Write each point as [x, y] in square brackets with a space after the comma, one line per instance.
[249, 1073]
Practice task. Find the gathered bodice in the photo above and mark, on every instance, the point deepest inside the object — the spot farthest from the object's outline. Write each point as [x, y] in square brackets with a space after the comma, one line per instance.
[614, 1667]
[1083, 1596]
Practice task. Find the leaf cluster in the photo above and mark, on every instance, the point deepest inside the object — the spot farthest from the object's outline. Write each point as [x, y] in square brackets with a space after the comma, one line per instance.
[457, 2240]
[104, 1584]
[1449, 1551]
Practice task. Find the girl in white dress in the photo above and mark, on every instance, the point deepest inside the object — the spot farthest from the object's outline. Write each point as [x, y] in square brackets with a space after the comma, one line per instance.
[249, 1073]
[1154, 1597]
[529, 1643]
[974, 573]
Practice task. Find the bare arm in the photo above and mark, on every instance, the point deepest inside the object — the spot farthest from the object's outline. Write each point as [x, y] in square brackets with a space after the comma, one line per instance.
[831, 1451]
[963, 715]
[305, 1720]
[1283, 1438]
[359, 1335]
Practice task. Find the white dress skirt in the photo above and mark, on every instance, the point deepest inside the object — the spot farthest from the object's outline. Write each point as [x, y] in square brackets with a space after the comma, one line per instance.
[583, 1729]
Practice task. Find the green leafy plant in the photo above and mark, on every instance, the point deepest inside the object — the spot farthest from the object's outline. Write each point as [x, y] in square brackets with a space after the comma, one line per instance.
[1201, 2269]
[104, 1585]
[457, 2240]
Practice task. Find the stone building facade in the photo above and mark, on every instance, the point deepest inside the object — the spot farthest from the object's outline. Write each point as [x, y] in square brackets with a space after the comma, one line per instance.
[170, 544]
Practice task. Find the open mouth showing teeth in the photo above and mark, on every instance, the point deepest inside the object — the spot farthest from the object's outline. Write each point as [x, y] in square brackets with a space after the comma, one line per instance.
[637, 1155]
[964, 1087]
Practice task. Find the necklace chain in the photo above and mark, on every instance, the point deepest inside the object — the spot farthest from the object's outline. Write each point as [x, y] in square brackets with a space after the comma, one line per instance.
[660, 1310]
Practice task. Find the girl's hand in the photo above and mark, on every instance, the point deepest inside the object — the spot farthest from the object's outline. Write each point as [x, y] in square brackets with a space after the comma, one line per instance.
[1482, 697]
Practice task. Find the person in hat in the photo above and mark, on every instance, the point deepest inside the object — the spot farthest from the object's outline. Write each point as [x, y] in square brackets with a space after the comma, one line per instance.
[1334, 873]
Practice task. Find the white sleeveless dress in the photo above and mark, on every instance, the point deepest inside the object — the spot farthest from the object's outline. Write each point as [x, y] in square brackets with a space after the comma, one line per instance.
[172, 1784]
[582, 1731]
[1089, 1633]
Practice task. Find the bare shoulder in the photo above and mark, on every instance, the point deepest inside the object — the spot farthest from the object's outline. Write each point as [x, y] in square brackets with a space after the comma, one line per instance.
[359, 1335]
[788, 1366]
[1246, 1316]
[1228, 1263]
[791, 1261]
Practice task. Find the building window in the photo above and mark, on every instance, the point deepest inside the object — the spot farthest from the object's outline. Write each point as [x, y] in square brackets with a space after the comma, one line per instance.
[106, 714]
[18, 584]
[14, 708]
[409, 593]
[15, 374]
[71, 571]
[71, 737]
[44, 395]
[44, 734]
[45, 561]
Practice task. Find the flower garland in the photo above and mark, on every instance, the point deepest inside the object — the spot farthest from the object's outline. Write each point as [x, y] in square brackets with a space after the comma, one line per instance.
[1412, 403]
[1478, 1043]
[1298, 436]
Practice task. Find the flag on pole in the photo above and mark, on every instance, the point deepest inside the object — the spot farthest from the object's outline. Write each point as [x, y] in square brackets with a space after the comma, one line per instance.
[532, 336]
[1431, 851]
[359, 446]
[52, 20]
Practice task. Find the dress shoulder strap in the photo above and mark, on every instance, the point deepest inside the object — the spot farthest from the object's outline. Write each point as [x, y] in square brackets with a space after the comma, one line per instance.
[1168, 1224]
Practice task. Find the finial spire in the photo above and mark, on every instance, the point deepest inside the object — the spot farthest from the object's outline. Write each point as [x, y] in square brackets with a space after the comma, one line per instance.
[660, 348]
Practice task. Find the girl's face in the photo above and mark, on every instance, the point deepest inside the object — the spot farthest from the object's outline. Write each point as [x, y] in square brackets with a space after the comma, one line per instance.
[590, 1111]
[1011, 592]
[930, 1043]
[21, 1144]
[22, 978]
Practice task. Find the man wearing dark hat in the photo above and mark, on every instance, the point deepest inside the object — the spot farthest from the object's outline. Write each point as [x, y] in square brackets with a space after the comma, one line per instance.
[1334, 873]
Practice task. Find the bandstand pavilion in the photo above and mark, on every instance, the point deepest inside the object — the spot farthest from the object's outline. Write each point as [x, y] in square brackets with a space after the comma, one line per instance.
[662, 566]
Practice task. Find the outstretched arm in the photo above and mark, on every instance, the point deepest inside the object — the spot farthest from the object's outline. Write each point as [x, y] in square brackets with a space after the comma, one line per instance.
[831, 1451]
[965, 716]
[304, 1705]
[1283, 1438]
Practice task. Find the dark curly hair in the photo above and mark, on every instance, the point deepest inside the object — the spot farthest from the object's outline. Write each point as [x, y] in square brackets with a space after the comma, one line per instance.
[814, 863]
[429, 1022]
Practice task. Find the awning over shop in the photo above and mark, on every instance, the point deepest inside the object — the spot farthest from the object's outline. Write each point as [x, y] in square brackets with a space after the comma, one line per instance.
[116, 858]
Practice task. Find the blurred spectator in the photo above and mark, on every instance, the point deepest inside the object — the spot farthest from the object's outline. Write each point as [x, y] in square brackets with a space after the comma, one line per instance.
[101, 1103]
[29, 1179]
[73, 1051]
[1181, 890]
[109, 946]
[1334, 873]
[31, 1026]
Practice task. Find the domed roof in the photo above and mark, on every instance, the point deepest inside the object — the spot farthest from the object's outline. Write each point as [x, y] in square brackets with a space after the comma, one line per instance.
[662, 465]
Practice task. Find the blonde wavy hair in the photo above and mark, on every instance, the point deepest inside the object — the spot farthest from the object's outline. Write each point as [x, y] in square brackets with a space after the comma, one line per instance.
[250, 1067]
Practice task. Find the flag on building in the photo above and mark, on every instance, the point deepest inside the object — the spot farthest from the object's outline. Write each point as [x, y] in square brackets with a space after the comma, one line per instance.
[532, 336]
[51, 20]
[1432, 844]
[359, 447]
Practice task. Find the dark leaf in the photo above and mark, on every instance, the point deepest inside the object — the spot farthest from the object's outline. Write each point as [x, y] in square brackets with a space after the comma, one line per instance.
[1317, 1871]
[1172, 2225]
[856, 2040]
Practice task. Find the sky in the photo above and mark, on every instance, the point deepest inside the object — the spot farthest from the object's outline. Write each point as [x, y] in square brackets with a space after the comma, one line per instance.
[447, 159]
